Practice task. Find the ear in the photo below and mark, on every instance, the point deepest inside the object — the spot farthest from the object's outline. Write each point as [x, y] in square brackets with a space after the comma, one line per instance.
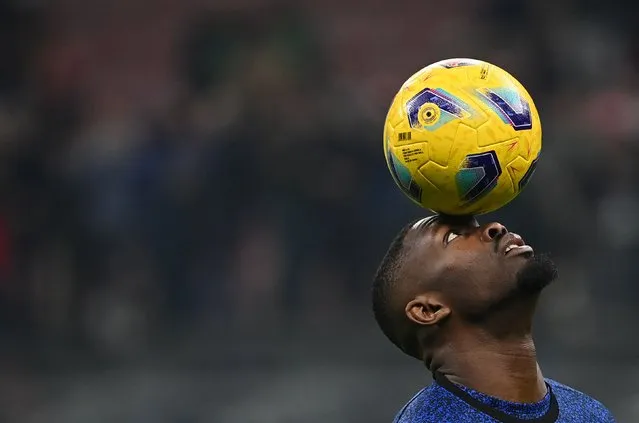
[426, 310]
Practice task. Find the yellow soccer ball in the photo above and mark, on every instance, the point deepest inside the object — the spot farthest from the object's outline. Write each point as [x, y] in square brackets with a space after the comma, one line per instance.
[462, 136]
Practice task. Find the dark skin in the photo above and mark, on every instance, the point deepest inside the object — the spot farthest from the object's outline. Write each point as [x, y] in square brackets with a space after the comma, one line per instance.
[470, 308]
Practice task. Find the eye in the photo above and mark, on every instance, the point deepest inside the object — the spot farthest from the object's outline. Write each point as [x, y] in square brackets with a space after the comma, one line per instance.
[450, 236]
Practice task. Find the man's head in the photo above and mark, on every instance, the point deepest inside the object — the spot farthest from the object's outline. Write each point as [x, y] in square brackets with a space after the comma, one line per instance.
[440, 270]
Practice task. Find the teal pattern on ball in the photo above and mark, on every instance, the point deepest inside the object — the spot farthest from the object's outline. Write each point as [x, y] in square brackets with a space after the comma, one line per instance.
[467, 179]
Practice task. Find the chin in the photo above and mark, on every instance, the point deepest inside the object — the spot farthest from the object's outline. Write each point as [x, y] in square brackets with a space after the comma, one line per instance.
[538, 272]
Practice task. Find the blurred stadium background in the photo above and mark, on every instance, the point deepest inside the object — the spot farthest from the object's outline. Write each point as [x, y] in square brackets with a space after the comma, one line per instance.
[194, 200]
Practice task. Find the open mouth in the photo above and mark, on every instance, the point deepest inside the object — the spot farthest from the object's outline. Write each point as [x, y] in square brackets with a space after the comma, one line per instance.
[513, 244]
[517, 250]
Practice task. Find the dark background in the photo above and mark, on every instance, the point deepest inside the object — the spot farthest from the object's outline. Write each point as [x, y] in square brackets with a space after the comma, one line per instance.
[194, 200]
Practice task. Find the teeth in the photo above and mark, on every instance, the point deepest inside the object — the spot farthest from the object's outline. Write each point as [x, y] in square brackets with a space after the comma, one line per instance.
[510, 247]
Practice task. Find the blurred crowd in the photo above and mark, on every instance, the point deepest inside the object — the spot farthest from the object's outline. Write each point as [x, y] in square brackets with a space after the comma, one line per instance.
[172, 169]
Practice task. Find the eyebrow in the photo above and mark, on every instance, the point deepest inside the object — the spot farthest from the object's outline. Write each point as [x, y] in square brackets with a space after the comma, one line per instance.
[425, 222]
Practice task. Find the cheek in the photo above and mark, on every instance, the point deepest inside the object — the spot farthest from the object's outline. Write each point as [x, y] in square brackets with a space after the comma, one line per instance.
[475, 277]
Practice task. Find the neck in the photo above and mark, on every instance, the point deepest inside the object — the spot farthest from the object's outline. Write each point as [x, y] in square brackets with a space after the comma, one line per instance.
[502, 364]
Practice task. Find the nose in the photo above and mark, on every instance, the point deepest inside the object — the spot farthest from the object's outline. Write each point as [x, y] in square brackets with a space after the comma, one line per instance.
[492, 231]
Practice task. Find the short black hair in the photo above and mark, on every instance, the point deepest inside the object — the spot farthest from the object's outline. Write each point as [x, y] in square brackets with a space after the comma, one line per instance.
[384, 286]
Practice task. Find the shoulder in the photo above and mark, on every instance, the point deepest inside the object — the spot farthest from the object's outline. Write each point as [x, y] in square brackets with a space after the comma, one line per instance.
[403, 414]
[576, 402]
[412, 411]
[432, 404]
